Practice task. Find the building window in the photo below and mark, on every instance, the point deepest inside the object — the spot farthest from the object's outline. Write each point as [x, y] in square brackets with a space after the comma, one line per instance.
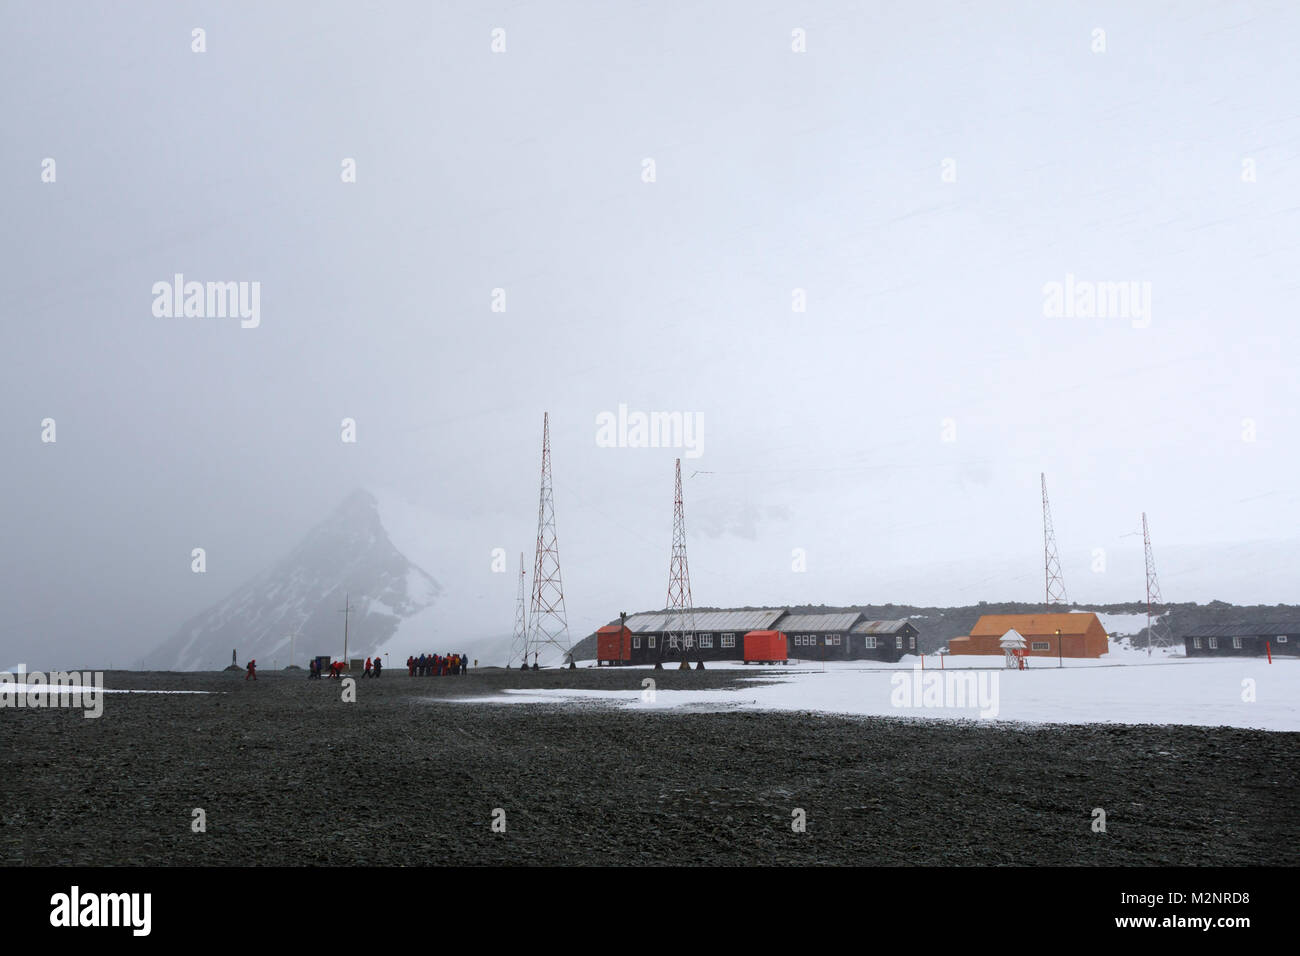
[1041, 645]
[636, 643]
[651, 642]
[900, 643]
[1214, 643]
[706, 640]
[672, 640]
[1236, 642]
[911, 642]
[728, 640]
[1196, 643]
[1281, 638]
[833, 639]
[869, 643]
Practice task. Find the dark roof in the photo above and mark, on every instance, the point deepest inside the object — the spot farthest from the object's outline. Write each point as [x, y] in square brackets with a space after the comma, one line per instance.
[880, 627]
[705, 621]
[1267, 629]
[835, 621]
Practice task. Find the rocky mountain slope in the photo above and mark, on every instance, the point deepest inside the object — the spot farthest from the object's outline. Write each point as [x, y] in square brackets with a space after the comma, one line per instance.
[348, 553]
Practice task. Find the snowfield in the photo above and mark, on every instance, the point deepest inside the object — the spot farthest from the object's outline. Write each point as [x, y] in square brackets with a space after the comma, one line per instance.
[1127, 688]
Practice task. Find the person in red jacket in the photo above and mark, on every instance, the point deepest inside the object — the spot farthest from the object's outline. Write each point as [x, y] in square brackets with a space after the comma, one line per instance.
[366, 672]
[252, 671]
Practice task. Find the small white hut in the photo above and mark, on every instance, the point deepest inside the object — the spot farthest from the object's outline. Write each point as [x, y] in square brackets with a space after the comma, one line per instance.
[1011, 642]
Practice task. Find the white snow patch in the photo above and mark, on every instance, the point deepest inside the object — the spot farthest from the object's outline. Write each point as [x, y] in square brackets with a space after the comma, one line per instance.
[1122, 625]
[1200, 692]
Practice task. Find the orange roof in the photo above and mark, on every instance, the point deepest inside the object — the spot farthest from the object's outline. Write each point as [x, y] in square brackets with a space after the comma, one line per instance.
[995, 625]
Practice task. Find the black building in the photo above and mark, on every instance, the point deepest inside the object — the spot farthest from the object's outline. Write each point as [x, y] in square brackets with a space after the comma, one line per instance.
[1244, 640]
[819, 637]
[882, 640]
[720, 636]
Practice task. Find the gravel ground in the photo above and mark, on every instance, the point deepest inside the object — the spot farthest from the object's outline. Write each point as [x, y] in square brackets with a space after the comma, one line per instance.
[288, 774]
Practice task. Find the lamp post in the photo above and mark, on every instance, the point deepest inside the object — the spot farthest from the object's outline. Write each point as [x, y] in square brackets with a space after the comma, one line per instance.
[1060, 656]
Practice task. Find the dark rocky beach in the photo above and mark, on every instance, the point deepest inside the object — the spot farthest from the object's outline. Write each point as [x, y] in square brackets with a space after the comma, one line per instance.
[287, 773]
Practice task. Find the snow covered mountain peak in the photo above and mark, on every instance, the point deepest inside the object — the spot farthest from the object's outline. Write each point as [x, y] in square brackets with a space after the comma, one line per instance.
[349, 553]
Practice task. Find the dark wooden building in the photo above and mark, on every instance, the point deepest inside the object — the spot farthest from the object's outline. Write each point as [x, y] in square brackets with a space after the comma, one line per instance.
[882, 640]
[819, 637]
[1244, 640]
[720, 636]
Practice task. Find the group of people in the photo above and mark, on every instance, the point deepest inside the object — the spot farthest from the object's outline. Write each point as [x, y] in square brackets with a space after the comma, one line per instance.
[335, 668]
[426, 665]
[434, 665]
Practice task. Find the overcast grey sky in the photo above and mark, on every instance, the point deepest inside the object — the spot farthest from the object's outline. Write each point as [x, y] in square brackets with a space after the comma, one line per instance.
[922, 171]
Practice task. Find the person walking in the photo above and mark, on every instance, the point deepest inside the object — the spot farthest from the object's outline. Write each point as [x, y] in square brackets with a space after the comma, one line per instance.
[379, 666]
[366, 672]
[252, 671]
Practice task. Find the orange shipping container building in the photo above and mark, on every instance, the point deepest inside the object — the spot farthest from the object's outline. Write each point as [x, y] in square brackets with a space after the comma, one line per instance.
[765, 646]
[1081, 635]
[613, 645]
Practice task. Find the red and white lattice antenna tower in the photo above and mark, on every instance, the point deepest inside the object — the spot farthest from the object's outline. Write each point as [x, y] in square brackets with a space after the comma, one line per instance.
[1154, 600]
[681, 609]
[1051, 561]
[548, 624]
[519, 645]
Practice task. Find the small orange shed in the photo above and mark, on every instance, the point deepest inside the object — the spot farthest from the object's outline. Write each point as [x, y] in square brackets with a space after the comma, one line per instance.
[613, 645]
[765, 647]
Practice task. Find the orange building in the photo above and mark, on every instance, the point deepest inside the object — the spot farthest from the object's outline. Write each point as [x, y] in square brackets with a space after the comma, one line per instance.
[1080, 635]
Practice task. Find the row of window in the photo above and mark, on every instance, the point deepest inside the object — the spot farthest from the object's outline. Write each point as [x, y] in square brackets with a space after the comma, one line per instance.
[706, 640]
[868, 641]
[1236, 642]
[810, 640]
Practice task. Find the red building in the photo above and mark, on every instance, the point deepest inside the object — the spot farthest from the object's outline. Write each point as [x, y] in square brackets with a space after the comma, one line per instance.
[765, 647]
[613, 645]
[1047, 635]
